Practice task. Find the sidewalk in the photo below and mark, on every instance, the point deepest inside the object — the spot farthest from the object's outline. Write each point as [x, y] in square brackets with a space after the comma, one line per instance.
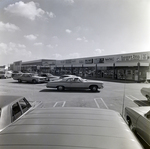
[115, 80]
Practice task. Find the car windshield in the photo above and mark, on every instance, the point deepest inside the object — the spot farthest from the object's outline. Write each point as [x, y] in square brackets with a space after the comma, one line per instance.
[104, 43]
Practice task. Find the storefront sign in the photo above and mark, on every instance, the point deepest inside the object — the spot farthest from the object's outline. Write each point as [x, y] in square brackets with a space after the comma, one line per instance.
[109, 59]
[48, 63]
[81, 61]
[68, 61]
[134, 57]
[89, 61]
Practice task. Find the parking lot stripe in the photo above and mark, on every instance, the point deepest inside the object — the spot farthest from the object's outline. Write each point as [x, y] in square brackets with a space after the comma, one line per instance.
[55, 104]
[96, 103]
[134, 97]
[104, 103]
[129, 98]
[64, 103]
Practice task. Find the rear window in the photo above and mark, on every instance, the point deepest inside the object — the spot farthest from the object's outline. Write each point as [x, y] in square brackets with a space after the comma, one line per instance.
[25, 105]
[19, 108]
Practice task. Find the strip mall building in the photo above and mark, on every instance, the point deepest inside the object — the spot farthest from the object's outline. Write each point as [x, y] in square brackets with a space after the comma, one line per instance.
[131, 66]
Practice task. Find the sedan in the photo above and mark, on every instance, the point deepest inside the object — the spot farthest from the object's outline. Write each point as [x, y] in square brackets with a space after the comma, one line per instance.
[29, 77]
[146, 92]
[12, 108]
[69, 128]
[138, 119]
[75, 83]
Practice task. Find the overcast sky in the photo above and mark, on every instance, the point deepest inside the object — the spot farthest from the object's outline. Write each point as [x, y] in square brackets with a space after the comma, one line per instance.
[64, 29]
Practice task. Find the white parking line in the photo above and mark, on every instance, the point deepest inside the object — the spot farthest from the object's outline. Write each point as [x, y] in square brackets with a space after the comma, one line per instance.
[104, 103]
[134, 97]
[129, 98]
[95, 99]
[96, 103]
[55, 104]
[64, 102]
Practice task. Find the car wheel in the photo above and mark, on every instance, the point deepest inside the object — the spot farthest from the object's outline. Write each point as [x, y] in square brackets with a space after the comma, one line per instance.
[94, 88]
[148, 98]
[60, 88]
[130, 123]
[19, 81]
[34, 81]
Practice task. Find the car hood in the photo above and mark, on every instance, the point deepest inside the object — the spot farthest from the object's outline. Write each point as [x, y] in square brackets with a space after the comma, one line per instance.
[94, 81]
[140, 110]
[38, 77]
[69, 128]
[145, 89]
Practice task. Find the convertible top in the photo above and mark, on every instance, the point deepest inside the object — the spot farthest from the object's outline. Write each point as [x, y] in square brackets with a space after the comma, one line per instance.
[69, 128]
[7, 99]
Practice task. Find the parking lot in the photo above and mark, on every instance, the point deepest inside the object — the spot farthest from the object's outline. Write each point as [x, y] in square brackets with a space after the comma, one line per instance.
[110, 97]
[114, 95]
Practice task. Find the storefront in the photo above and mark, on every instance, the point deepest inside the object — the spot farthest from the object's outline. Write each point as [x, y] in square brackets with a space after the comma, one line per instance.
[133, 66]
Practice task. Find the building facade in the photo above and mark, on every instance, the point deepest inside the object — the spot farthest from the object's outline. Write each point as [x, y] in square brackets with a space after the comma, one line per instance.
[131, 66]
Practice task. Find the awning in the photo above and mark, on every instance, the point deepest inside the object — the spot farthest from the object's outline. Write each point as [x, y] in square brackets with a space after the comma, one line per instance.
[77, 65]
[89, 65]
[144, 64]
[105, 64]
[126, 64]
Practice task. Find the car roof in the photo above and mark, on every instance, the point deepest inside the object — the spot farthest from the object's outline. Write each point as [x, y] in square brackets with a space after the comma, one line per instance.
[69, 128]
[7, 99]
[71, 77]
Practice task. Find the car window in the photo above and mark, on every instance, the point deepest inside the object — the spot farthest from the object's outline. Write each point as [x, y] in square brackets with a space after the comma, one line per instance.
[69, 80]
[16, 111]
[24, 104]
[77, 80]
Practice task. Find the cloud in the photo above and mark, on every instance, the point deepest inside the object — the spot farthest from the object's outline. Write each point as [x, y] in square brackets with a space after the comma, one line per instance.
[98, 51]
[57, 56]
[79, 39]
[13, 48]
[28, 10]
[82, 39]
[68, 31]
[3, 48]
[69, 1]
[8, 27]
[50, 46]
[73, 55]
[31, 37]
[51, 14]
[38, 44]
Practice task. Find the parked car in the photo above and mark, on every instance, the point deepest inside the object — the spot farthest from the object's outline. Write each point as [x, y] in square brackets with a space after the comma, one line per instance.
[49, 76]
[61, 77]
[75, 83]
[12, 108]
[5, 74]
[146, 92]
[29, 77]
[69, 128]
[138, 119]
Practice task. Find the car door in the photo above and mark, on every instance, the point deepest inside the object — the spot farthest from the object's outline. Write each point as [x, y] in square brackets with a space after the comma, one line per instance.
[67, 83]
[77, 83]
[143, 128]
[27, 77]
